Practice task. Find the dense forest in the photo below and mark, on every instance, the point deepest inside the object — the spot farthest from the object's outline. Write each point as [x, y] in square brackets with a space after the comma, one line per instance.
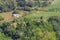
[44, 25]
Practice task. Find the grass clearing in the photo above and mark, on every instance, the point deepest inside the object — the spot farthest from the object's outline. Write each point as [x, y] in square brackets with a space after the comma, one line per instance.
[44, 14]
[6, 16]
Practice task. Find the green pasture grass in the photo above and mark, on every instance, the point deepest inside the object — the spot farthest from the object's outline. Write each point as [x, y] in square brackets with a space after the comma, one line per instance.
[43, 14]
[55, 6]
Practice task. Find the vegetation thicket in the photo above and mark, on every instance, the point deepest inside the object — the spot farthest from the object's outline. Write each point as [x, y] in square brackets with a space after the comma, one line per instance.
[40, 20]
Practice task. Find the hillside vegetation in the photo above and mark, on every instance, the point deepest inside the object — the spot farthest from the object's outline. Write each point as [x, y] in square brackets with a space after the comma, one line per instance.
[40, 20]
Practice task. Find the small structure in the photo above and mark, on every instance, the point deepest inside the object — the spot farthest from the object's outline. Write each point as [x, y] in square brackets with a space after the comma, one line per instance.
[15, 14]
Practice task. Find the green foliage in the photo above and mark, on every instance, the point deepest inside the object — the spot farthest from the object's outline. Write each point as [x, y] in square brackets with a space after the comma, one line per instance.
[6, 5]
[29, 29]
[9, 5]
[55, 22]
[1, 18]
[3, 36]
[30, 26]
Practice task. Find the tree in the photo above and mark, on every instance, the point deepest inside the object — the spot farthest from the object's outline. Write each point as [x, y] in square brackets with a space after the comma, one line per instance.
[55, 22]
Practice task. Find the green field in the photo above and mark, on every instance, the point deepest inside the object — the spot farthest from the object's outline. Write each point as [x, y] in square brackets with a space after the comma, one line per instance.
[43, 14]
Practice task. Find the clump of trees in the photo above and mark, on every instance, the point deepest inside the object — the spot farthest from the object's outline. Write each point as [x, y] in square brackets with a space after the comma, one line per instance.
[29, 29]
[33, 29]
[6, 5]
[9, 5]
[55, 22]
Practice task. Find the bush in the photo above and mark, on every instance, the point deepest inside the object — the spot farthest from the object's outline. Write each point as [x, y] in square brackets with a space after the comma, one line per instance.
[55, 22]
[1, 18]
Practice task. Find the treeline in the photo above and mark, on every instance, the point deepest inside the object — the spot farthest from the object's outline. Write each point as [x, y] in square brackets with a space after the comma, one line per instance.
[32, 29]
[6, 5]
[9, 5]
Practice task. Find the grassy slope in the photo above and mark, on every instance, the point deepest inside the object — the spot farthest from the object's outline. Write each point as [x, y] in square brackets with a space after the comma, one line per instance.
[56, 4]
[6, 15]
[47, 14]
[44, 14]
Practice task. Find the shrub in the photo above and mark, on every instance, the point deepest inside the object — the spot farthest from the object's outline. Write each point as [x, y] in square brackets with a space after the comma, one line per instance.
[55, 22]
[1, 18]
